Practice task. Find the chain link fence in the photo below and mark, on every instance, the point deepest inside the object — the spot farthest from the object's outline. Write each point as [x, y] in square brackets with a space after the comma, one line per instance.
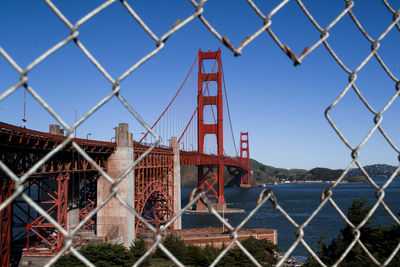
[266, 195]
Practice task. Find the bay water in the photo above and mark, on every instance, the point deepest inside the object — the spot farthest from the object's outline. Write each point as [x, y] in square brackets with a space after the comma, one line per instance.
[299, 201]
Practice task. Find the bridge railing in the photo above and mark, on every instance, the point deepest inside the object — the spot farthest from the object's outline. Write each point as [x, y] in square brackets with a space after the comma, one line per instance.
[15, 131]
[346, 10]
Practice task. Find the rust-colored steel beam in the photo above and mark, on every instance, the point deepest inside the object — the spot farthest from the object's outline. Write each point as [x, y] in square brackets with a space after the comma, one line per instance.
[5, 222]
[49, 240]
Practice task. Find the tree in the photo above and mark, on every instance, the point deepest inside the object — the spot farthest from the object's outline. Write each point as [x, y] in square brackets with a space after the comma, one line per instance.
[261, 249]
[137, 249]
[175, 245]
[380, 241]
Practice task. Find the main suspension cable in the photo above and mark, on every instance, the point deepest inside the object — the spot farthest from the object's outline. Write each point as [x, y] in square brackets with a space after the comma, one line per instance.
[159, 118]
[229, 113]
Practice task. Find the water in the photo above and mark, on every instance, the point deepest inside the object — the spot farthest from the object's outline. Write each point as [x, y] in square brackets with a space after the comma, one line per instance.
[299, 201]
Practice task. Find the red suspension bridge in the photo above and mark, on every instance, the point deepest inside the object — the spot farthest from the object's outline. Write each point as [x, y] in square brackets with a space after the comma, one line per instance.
[68, 187]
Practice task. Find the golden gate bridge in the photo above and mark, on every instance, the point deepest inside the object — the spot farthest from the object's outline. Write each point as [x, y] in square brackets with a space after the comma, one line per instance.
[69, 187]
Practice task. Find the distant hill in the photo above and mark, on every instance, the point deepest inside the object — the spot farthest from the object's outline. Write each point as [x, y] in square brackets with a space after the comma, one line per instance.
[264, 174]
[375, 171]
[267, 174]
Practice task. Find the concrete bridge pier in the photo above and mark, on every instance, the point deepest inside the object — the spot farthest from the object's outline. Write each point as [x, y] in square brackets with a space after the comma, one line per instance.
[177, 182]
[114, 222]
[73, 202]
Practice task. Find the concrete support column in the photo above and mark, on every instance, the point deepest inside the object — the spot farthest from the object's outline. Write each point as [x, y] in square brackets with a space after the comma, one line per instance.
[73, 202]
[114, 221]
[177, 182]
[55, 129]
[73, 218]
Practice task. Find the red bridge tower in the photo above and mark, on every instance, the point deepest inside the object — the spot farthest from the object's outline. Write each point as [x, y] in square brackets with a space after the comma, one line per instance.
[210, 178]
[245, 159]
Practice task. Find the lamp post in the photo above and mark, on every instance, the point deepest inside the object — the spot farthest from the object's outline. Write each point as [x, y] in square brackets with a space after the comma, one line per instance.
[76, 118]
[145, 136]
[87, 136]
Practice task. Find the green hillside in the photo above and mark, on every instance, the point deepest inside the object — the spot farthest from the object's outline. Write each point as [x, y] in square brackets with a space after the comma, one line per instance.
[265, 174]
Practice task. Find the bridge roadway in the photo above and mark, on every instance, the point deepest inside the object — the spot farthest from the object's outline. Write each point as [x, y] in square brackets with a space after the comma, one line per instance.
[15, 136]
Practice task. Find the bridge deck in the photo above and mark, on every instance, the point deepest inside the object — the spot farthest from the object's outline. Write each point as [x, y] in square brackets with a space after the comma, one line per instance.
[11, 135]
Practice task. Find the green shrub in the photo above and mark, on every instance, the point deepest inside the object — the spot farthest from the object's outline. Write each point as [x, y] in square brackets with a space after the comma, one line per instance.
[261, 249]
[137, 249]
[107, 254]
[104, 254]
[175, 245]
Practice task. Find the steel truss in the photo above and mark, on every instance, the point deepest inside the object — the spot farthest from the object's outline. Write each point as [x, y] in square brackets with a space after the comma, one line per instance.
[52, 196]
[88, 200]
[5, 222]
[154, 185]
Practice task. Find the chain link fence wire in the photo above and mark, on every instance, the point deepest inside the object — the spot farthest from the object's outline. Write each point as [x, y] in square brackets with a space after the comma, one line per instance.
[266, 20]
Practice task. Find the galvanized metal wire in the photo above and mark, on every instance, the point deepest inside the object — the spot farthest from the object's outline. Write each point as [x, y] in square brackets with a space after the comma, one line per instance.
[266, 195]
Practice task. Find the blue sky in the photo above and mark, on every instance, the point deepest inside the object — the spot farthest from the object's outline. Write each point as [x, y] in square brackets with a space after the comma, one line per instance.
[281, 106]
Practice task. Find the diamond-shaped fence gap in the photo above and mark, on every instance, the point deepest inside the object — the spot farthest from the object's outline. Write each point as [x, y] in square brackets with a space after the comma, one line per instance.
[378, 150]
[23, 214]
[232, 25]
[296, 33]
[376, 228]
[366, 193]
[266, 217]
[234, 219]
[331, 9]
[336, 228]
[72, 77]
[24, 44]
[192, 220]
[390, 59]
[75, 10]
[147, 79]
[33, 232]
[297, 205]
[13, 113]
[105, 131]
[381, 215]
[168, 14]
[115, 24]
[324, 227]
[352, 118]
[351, 54]
[10, 76]
[37, 117]
[389, 126]
[374, 23]
[377, 89]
